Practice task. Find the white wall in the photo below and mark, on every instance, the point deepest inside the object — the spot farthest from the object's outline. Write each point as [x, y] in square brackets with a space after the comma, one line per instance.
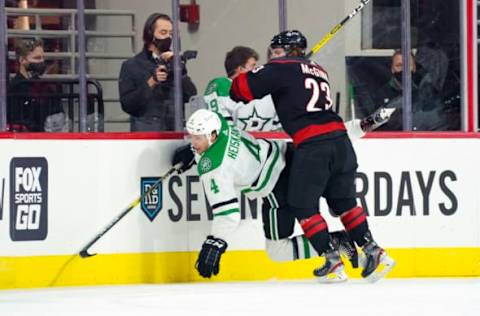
[432, 201]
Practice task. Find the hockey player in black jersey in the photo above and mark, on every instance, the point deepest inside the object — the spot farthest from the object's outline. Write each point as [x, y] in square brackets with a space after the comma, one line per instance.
[324, 162]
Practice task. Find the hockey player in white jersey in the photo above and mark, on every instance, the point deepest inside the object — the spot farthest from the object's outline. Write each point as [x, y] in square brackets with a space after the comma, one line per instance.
[231, 161]
[258, 115]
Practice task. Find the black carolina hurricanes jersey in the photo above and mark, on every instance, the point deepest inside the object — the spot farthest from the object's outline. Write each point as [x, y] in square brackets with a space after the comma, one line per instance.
[300, 91]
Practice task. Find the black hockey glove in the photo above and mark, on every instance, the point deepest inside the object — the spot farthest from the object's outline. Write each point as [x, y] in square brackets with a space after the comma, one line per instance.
[208, 261]
[184, 155]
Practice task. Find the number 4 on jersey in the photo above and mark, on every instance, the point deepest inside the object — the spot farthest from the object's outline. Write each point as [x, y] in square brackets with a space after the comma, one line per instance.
[313, 105]
[214, 187]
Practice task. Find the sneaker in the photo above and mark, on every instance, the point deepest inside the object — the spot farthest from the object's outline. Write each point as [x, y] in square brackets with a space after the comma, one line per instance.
[333, 269]
[376, 263]
[346, 246]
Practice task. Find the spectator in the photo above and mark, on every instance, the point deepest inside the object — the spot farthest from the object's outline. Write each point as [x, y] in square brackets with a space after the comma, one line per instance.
[427, 107]
[146, 82]
[32, 104]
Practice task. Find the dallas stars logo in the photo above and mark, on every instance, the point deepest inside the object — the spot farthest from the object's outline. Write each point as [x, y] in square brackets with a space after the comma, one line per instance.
[205, 164]
[254, 122]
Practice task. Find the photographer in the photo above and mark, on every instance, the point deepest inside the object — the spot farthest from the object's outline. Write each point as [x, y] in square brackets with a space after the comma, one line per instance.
[146, 80]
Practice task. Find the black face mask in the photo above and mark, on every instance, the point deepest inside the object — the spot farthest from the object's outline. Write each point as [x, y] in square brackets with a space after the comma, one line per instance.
[36, 69]
[163, 45]
[416, 78]
[398, 76]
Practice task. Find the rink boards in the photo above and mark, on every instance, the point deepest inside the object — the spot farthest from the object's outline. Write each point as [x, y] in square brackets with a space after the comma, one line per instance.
[421, 194]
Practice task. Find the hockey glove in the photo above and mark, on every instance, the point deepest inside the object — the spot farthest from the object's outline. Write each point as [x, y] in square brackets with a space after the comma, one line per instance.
[208, 261]
[184, 155]
[376, 119]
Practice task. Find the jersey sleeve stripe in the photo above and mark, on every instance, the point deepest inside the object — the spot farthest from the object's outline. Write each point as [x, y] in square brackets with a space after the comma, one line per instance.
[218, 205]
[227, 212]
[269, 171]
[241, 88]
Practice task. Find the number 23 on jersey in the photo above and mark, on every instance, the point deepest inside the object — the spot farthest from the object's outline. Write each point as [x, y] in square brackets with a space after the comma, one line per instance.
[313, 105]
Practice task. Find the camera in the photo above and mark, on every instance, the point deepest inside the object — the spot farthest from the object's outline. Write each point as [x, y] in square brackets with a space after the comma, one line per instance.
[187, 55]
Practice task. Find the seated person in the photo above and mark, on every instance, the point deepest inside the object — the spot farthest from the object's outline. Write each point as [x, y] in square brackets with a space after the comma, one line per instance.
[31, 105]
[427, 108]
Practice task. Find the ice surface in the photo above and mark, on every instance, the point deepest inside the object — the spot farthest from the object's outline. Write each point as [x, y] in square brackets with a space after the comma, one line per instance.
[387, 297]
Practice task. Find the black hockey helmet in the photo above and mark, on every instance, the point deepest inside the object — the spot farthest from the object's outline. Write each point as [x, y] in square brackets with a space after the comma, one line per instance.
[290, 41]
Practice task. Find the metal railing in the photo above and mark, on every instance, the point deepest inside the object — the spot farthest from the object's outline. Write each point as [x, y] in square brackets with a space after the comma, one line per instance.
[71, 33]
[63, 93]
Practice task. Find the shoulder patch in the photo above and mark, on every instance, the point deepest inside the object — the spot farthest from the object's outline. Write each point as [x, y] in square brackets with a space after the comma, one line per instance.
[205, 164]
[221, 86]
[212, 86]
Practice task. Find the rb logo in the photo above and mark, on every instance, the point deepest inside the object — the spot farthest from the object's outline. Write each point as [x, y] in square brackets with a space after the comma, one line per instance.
[152, 203]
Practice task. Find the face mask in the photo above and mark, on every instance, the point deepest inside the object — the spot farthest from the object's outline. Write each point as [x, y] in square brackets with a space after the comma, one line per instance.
[415, 77]
[162, 45]
[37, 69]
[398, 76]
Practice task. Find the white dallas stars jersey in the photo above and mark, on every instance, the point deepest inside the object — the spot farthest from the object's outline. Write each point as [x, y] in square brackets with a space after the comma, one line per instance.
[237, 163]
[258, 115]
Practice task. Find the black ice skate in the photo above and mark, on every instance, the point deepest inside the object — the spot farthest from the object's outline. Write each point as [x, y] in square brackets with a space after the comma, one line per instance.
[346, 246]
[376, 264]
[333, 269]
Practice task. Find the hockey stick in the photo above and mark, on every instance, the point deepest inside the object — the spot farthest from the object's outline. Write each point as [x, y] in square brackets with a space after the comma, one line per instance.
[84, 252]
[336, 28]
[337, 103]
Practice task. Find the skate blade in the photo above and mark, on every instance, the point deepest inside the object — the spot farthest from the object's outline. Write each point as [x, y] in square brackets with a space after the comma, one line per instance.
[385, 266]
[334, 277]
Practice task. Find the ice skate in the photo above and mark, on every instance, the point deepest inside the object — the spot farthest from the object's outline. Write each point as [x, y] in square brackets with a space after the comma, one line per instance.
[346, 246]
[375, 262]
[333, 269]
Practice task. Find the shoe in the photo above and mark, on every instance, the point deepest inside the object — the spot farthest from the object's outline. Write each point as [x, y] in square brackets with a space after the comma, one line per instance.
[346, 246]
[376, 263]
[333, 269]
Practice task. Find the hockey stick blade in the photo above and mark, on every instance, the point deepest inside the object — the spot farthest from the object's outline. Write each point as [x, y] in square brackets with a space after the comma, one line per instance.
[84, 252]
